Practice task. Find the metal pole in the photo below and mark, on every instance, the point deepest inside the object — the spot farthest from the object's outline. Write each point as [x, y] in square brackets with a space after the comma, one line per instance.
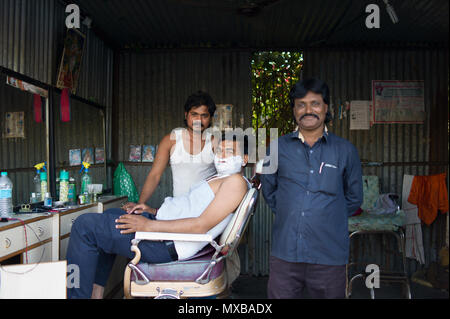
[51, 159]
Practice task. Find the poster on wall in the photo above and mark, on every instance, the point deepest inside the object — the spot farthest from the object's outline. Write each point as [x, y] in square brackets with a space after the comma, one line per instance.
[398, 102]
[75, 157]
[223, 117]
[148, 153]
[135, 153]
[99, 155]
[14, 125]
[87, 155]
[69, 69]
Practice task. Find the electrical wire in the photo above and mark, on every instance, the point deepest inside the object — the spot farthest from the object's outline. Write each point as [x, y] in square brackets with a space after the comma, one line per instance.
[26, 249]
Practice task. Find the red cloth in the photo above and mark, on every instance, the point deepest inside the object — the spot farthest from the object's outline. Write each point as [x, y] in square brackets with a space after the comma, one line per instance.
[429, 193]
[358, 212]
[37, 106]
[65, 105]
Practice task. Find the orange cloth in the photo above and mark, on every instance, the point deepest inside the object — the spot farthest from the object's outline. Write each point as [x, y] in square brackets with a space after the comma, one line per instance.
[429, 193]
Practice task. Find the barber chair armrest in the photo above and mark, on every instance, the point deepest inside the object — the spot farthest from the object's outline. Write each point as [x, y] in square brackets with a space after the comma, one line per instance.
[173, 236]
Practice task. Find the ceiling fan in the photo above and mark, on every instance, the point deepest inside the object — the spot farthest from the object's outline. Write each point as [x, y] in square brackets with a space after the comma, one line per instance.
[248, 8]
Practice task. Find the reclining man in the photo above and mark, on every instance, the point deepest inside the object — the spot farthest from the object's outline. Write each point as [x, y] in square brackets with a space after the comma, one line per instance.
[206, 208]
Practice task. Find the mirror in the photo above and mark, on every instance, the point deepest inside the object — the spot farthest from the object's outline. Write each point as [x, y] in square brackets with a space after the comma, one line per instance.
[20, 152]
[80, 139]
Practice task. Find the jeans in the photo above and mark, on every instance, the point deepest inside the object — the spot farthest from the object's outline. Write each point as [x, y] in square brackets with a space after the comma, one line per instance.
[94, 242]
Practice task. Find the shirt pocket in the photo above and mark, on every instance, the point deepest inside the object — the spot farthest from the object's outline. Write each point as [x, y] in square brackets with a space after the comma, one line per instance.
[330, 179]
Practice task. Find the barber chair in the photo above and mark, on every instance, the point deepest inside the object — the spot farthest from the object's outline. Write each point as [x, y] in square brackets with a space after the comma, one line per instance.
[202, 275]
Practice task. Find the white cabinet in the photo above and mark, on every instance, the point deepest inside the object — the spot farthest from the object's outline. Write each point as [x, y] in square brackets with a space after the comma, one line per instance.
[30, 231]
[25, 235]
[40, 254]
[45, 238]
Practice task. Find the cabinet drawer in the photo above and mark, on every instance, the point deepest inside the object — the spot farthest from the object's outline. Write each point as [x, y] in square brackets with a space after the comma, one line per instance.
[14, 239]
[67, 221]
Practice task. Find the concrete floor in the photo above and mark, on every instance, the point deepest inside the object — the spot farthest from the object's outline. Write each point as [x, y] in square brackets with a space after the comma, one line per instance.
[251, 287]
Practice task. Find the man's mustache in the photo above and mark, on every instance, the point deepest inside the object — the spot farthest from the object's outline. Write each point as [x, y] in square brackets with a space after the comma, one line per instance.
[308, 114]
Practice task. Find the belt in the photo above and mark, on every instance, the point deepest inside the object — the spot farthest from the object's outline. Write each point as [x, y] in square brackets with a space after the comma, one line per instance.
[171, 249]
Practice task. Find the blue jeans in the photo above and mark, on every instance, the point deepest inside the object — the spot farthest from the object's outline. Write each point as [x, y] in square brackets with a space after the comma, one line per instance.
[94, 242]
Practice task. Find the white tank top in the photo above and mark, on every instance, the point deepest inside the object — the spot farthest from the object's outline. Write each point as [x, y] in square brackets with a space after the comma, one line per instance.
[189, 169]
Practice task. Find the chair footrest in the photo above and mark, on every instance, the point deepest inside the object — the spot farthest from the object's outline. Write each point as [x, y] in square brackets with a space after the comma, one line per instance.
[185, 288]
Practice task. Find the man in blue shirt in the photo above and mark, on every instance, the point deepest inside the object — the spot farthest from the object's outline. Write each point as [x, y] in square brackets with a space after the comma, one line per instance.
[316, 186]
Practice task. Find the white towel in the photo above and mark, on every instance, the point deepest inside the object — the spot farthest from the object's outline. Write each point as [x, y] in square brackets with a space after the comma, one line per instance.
[413, 244]
[191, 204]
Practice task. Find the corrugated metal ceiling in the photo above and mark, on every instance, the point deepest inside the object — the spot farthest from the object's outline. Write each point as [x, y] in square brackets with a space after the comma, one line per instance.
[262, 24]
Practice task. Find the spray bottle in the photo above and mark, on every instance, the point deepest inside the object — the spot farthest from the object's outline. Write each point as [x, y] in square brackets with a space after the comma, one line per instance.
[37, 180]
[85, 179]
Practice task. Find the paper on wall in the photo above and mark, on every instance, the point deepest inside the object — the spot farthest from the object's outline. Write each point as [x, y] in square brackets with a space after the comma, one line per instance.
[223, 117]
[360, 115]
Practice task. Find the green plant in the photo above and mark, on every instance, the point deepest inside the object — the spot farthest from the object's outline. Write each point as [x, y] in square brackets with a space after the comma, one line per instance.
[273, 74]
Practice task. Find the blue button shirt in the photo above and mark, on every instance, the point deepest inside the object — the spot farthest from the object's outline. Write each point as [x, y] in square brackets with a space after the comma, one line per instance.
[312, 191]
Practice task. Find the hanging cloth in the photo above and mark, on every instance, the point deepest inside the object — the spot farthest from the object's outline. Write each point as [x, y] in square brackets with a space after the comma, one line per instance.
[429, 193]
[37, 107]
[65, 105]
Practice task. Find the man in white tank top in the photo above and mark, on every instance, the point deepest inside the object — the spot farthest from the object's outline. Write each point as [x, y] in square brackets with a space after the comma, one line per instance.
[189, 151]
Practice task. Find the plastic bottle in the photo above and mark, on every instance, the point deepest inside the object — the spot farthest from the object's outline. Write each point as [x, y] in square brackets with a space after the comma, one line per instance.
[48, 200]
[64, 186]
[34, 198]
[72, 195]
[85, 180]
[37, 180]
[37, 186]
[6, 186]
[44, 185]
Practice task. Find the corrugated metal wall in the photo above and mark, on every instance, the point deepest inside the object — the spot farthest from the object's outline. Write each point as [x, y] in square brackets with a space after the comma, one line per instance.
[349, 74]
[152, 90]
[31, 43]
[27, 37]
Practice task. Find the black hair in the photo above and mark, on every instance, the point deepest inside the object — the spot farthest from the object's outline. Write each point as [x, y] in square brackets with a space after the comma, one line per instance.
[301, 88]
[197, 99]
[236, 138]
